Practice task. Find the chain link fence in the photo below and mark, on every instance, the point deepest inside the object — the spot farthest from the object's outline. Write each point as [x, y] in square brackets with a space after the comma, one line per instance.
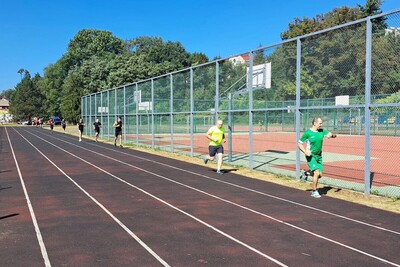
[348, 75]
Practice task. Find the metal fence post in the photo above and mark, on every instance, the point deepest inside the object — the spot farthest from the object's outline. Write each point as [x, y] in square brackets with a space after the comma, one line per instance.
[298, 113]
[171, 83]
[152, 114]
[95, 109]
[82, 105]
[126, 125]
[229, 127]
[368, 58]
[137, 115]
[115, 104]
[250, 90]
[216, 105]
[101, 112]
[191, 114]
[108, 114]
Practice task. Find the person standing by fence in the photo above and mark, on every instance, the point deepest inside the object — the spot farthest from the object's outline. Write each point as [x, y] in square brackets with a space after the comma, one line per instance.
[313, 139]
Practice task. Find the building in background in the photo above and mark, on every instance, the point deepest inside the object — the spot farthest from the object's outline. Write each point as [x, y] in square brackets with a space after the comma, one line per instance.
[5, 116]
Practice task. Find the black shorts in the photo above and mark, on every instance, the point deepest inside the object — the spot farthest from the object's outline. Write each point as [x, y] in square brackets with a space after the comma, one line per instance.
[212, 150]
[118, 133]
[51, 126]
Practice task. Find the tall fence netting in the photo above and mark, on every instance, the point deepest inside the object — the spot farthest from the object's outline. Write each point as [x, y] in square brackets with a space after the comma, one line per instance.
[348, 75]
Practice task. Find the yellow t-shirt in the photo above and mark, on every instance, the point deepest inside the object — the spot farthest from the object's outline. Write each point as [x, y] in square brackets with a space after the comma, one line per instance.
[217, 133]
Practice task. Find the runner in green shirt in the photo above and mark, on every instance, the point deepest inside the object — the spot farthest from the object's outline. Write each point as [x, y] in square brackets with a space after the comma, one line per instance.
[313, 139]
[216, 135]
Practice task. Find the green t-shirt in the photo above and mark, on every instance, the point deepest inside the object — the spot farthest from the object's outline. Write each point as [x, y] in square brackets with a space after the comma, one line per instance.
[314, 140]
[217, 133]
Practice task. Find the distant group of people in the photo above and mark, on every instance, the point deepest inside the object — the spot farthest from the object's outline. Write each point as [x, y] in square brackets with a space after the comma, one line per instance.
[97, 126]
[52, 123]
[38, 122]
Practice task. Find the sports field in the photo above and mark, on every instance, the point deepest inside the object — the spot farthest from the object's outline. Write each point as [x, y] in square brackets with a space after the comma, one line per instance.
[275, 152]
[70, 203]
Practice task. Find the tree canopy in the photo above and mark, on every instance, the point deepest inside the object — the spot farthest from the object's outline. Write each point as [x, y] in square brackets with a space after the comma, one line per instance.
[27, 97]
[332, 63]
[97, 60]
[337, 16]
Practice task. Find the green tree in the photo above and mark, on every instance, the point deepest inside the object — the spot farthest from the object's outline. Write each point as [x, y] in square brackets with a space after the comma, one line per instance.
[333, 18]
[372, 7]
[8, 94]
[157, 51]
[198, 58]
[21, 72]
[259, 56]
[300, 27]
[86, 47]
[333, 63]
[73, 90]
[27, 99]
[142, 44]
[54, 76]
[386, 64]
[88, 43]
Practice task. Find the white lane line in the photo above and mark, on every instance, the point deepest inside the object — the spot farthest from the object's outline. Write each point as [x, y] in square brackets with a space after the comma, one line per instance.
[227, 201]
[30, 207]
[244, 188]
[144, 245]
[159, 199]
[279, 198]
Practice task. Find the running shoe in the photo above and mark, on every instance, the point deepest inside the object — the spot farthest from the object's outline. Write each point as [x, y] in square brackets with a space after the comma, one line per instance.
[303, 175]
[315, 193]
[220, 172]
[205, 160]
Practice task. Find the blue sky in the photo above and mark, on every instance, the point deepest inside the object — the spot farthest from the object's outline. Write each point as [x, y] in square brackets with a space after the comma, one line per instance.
[36, 33]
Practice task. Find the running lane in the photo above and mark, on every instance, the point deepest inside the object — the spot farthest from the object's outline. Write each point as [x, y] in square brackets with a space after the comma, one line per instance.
[184, 214]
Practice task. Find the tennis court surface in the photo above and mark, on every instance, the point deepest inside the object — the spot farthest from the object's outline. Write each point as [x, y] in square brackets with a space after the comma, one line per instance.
[70, 203]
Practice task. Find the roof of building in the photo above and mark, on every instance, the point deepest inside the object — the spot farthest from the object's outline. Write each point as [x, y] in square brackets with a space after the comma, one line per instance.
[245, 57]
[4, 102]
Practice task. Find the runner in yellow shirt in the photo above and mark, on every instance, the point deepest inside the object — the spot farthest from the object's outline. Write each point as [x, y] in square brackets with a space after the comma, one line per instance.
[216, 135]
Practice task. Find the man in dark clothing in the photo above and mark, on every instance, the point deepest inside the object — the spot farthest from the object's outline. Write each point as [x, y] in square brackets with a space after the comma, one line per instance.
[118, 132]
[97, 126]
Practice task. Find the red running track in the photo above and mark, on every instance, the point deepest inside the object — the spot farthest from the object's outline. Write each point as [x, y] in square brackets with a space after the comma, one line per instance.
[70, 203]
